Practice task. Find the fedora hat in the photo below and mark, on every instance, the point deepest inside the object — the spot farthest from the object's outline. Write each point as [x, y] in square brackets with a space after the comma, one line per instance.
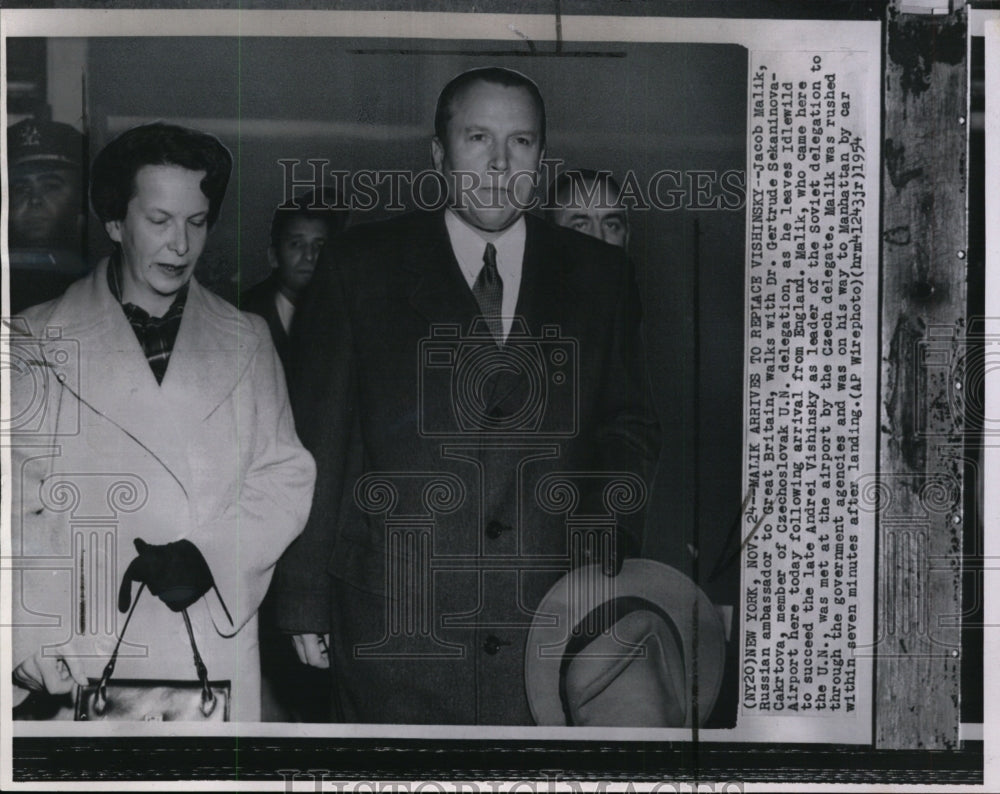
[643, 649]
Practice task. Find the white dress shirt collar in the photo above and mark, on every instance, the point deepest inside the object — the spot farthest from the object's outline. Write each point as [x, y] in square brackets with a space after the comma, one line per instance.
[469, 247]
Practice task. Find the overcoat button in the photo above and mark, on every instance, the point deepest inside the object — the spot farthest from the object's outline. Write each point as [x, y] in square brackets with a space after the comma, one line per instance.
[492, 645]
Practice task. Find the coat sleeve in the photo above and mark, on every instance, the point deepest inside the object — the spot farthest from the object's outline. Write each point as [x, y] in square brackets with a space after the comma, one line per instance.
[322, 381]
[629, 432]
[243, 546]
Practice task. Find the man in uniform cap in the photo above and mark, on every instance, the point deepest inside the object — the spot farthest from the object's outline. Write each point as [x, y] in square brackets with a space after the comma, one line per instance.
[47, 209]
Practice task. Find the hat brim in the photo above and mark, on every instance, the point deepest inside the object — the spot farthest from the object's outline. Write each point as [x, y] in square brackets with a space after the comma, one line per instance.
[584, 589]
[42, 161]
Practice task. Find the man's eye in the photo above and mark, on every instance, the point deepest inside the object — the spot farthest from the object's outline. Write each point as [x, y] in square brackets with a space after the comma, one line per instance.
[199, 223]
[524, 140]
[477, 136]
[579, 225]
[158, 221]
[614, 226]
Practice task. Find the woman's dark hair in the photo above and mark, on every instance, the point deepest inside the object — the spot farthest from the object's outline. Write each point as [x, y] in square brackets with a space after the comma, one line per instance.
[112, 175]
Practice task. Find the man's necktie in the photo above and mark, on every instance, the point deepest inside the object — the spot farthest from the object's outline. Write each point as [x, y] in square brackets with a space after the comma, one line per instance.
[488, 290]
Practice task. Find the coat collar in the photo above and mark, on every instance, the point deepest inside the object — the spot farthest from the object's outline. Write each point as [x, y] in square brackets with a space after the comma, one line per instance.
[439, 292]
[107, 369]
[545, 280]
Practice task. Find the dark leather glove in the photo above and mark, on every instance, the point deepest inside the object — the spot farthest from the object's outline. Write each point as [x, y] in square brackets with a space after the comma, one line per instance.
[175, 572]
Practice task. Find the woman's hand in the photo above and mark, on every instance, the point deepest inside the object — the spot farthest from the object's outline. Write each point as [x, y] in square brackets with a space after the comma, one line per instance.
[175, 572]
[313, 649]
[56, 675]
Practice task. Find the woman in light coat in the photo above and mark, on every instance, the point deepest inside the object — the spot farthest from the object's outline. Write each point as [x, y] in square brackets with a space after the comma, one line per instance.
[145, 408]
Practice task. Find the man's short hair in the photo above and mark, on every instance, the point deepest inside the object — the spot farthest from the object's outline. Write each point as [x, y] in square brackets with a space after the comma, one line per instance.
[497, 75]
[576, 183]
[329, 211]
[112, 176]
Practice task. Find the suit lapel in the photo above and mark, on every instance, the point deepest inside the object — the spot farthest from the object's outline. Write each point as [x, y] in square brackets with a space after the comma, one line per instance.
[539, 303]
[439, 292]
[544, 278]
[278, 334]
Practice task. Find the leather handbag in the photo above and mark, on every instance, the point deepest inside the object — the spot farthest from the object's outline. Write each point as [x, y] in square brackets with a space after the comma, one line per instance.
[154, 700]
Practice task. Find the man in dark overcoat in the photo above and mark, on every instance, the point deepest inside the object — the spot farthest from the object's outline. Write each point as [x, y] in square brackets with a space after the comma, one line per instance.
[471, 382]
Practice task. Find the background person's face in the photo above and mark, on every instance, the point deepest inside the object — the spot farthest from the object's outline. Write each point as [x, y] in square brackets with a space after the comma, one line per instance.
[605, 223]
[45, 207]
[495, 134]
[297, 252]
[162, 235]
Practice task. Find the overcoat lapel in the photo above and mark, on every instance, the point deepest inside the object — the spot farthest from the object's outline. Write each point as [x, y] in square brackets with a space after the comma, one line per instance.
[110, 374]
[543, 278]
[439, 292]
[210, 356]
[539, 302]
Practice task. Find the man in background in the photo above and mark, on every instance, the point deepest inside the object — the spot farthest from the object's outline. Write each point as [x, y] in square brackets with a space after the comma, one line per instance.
[299, 231]
[47, 210]
[587, 201]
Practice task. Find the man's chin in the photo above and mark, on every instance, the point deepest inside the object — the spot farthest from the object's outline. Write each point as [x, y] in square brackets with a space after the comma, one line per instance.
[490, 221]
[35, 235]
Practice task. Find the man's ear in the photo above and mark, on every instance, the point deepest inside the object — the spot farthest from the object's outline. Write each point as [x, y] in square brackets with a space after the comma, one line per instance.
[437, 153]
[272, 257]
[114, 230]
